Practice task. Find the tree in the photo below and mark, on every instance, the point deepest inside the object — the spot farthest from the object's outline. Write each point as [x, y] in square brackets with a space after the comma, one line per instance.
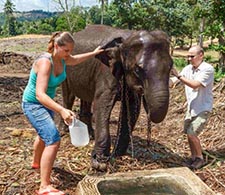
[211, 13]
[104, 3]
[77, 23]
[170, 16]
[9, 27]
[45, 28]
[122, 13]
[216, 28]
[72, 14]
[94, 15]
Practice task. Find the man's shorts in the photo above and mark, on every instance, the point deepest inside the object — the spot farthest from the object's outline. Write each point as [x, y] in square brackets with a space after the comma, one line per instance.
[194, 125]
[42, 120]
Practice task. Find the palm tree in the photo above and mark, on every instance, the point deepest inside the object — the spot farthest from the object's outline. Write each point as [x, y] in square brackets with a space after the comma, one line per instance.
[103, 3]
[8, 7]
[9, 25]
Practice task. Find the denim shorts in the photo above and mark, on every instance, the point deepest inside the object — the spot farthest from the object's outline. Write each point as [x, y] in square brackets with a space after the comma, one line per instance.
[195, 125]
[42, 119]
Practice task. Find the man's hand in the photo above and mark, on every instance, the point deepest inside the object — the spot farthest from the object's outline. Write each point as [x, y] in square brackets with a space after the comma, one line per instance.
[174, 72]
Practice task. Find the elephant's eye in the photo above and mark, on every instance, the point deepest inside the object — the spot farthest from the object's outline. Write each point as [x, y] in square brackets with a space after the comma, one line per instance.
[125, 53]
[140, 64]
[137, 71]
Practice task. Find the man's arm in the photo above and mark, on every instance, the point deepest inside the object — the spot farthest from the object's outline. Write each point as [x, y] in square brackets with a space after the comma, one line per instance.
[189, 82]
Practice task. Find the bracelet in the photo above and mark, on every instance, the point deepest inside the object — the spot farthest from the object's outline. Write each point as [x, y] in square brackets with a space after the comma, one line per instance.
[179, 76]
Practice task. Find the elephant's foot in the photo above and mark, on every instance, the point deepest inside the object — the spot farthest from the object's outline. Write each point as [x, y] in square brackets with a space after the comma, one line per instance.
[119, 152]
[98, 166]
[100, 163]
[120, 148]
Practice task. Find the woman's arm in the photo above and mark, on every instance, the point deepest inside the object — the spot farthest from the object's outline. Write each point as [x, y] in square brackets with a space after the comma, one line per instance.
[77, 59]
[43, 70]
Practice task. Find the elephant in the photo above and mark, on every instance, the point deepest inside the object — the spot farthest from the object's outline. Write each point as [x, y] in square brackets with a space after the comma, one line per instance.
[134, 68]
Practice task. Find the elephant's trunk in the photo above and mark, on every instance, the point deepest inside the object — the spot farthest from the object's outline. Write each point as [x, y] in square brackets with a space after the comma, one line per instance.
[157, 103]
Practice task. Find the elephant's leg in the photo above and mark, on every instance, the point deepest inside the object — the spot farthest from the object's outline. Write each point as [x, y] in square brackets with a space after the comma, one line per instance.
[86, 116]
[130, 109]
[103, 105]
[123, 134]
[68, 100]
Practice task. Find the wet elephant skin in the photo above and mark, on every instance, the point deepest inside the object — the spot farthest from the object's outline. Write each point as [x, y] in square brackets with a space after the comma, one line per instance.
[135, 65]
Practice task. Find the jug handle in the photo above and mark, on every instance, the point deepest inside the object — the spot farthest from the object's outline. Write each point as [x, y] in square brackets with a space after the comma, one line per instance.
[73, 121]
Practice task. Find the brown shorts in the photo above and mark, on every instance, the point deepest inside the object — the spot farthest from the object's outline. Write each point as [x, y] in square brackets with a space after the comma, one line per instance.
[194, 125]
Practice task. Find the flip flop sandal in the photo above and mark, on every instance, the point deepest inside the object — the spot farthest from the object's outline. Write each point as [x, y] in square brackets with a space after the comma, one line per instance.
[50, 192]
[35, 166]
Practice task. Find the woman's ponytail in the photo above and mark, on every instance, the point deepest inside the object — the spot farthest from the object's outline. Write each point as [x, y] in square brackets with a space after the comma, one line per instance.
[61, 38]
[52, 41]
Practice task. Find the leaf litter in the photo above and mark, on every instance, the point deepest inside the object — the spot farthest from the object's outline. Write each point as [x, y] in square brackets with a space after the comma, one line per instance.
[168, 146]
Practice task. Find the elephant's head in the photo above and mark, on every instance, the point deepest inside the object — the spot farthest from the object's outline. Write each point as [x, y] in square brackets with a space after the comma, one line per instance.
[145, 61]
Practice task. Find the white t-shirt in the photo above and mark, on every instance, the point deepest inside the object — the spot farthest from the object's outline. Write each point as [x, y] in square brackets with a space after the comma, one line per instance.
[200, 99]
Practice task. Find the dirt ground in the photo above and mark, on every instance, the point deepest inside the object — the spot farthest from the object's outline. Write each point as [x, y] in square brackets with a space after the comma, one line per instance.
[168, 147]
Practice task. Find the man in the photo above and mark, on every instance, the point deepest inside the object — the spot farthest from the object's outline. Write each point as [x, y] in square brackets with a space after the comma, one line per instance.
[198, 79]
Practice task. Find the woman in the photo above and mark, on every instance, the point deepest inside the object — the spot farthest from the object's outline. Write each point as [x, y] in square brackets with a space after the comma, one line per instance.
[48, 72]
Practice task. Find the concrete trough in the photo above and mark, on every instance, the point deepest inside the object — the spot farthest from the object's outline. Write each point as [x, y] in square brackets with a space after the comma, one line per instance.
[171, 181]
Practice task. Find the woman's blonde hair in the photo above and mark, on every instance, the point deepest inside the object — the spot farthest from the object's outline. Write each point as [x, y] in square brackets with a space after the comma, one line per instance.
[61, 38]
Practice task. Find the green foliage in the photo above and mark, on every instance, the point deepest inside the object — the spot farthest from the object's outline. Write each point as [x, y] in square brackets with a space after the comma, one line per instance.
[26, 22]
[208, 58]
[94, 15]
[72, 21]
[9, 28]
[217, 47]
[2, 19]
[61, 24]
[9, 8]
[216, 26]
[179, 18]
[45, 29]
[179, 62]
[180, 42]
[219, 74]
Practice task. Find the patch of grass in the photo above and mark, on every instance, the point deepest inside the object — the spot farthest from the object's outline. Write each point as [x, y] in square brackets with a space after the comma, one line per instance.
[180, 63]
[219, 74]
[25, 36]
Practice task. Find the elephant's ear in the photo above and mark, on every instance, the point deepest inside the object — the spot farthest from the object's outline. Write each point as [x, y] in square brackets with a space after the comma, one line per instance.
[111, 52]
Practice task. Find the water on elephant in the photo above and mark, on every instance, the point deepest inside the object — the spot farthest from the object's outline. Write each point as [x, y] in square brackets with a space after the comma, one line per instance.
[140, 186]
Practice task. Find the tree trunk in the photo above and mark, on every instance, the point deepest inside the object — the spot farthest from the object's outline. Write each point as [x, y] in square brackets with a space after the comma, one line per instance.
[201, 29]
[221, 40]
[102, 10]
[222, 54]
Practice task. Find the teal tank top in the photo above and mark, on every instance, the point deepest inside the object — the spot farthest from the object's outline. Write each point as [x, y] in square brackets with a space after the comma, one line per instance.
[29, 94]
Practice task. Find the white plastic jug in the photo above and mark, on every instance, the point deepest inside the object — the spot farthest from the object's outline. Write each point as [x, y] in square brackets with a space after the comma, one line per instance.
[79, 133]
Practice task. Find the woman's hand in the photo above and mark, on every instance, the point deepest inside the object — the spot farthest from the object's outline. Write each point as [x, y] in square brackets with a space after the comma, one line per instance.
[77, 59]
[98, 50]
[67, 116]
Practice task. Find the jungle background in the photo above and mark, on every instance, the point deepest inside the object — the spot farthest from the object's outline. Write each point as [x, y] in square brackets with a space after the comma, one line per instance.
[24, 35]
